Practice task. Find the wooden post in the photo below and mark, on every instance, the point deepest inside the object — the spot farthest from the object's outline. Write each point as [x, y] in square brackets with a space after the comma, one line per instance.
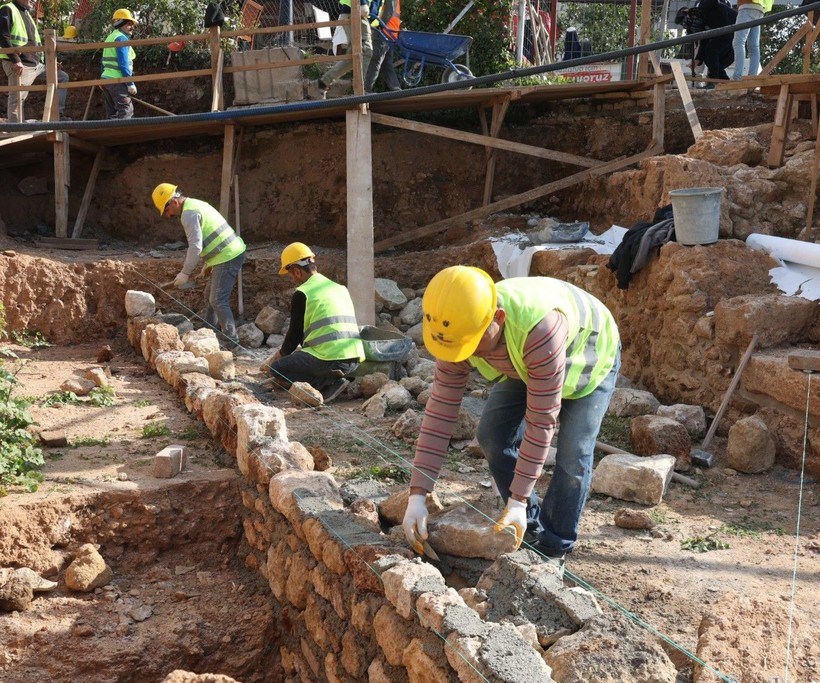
[238, 228]
[356, 50]
[782, 121]
[686, 98]
[227, 171]
[51, 109]
[88, 103]
[499, 112]
[808, 233]
[646, 22]
[658, 114]
[360, 259]
[217, 62]
[87, 195]
[62, 181]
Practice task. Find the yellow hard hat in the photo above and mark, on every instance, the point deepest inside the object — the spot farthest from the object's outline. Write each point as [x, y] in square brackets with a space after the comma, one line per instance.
[162, 194]
[70, 32]
[123, 15]
[458, 306]
[296, 251]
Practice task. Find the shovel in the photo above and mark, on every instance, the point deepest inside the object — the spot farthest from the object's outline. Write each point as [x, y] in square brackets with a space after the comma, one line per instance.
[188, 285]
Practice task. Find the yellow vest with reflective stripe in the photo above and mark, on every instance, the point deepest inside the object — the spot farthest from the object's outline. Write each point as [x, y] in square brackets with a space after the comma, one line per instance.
[19, 34]
[593, 339]
[331, 331]
[219, 241]
[110, 64]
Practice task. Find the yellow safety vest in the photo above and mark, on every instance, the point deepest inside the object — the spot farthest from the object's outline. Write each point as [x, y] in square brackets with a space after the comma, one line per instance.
[110, 64]
[19, 34]
[331, 331]
[219, 241]
[593, 339]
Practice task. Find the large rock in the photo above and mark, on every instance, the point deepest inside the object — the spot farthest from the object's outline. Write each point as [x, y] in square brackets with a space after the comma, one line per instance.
[201, 343]
[392, 509]
[221, 365]
[776, 319]
[729, 147]
[632, 402]
[750, 448]
[270, 320]
[411, 314]
[158, 338]
[139, 303]
[465, 532]
[634, 478]
[88, 570]
[691, 417]
[389, 295]
[250, 336]
[16, 593]
[652, 435]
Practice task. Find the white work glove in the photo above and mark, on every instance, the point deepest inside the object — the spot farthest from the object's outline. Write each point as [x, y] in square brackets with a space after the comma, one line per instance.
[180, 280]
[515, 515]
[415, 521]
[132, 89]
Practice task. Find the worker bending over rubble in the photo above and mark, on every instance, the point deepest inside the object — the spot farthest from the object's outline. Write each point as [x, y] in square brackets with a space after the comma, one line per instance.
[215, 242]
[555, 350]
[323, 322]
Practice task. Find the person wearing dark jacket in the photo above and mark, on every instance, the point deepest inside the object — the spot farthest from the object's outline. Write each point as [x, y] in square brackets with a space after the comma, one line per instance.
[715, 53]
[18, 29]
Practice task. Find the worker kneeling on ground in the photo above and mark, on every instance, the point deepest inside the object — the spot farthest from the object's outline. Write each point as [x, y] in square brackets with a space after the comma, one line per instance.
[215, 242]
[323, 322]
[555, 350]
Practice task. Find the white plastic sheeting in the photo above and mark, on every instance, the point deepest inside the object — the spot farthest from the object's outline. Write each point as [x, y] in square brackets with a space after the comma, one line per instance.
[799, 271]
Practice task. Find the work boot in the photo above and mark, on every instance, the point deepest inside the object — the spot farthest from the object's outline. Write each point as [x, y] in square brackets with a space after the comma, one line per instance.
[331, 394]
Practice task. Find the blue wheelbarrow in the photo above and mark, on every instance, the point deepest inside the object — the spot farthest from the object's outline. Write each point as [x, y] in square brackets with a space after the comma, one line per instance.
[419, 49]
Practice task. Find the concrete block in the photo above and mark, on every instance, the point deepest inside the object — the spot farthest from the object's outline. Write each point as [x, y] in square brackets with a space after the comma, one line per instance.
[170, 461]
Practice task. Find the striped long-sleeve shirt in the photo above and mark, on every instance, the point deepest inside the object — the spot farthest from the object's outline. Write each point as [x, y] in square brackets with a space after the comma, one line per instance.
[545, 358]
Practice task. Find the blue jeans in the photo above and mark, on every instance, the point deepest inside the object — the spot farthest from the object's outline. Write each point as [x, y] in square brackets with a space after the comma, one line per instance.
[218, 295]
[747, 13]
[501, 431]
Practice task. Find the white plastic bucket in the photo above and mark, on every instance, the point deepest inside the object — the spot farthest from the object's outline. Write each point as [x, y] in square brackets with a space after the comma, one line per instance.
[696, 211]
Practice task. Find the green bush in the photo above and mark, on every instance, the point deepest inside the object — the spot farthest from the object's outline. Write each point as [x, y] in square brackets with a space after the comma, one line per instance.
[20, 458]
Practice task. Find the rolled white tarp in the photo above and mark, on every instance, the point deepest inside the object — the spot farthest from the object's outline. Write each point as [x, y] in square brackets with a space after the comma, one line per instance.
[799, 272]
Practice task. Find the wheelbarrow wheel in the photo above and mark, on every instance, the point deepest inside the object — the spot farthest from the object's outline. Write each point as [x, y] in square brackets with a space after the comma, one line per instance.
[459, 72]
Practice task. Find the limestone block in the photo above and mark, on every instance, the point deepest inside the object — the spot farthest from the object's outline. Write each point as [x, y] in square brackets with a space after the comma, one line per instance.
[389, 295]
[371, 384]
[447, 611]
[16, 594]
[158, 338]
[469, 415]
[392, 509]
[316, 491]
[170, 461]
[408, 425]
[691, 417]
[275, 341]
[80, 387]
[381, 672]
[769, 374]
[495, 662]
[375, 407]
[355, 656]
[250, 336]
[630, 477]
[652, 435]
[424, 396]
[632, 519]
[421, 367]
[462, 653]
[405, 581]
[415, 385]
[134, 328]
[425, 662]
[304, 395]
[416, 333]
[54, 438]
[465, 532]
[178, 320]
[750, 448]
[364, 559]
[88, 570]
[776, 319]
[221, 365]
[38, 583]
[270, 320]
[330, 588]
[201, 343]
[396, 396]
[259, 424]
[197, 388]
[98, 376]
[391, 634]
[173, 365]
[726, 148]
[411, 314]
[139, 304]
[632, 402]
[367, 511]
[588, 655]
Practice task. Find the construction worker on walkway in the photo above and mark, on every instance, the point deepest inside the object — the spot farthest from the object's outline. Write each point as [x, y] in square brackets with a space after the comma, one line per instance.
[118, 62]
[339, 69]
[211, 239]
[386, 25]
[555, 350]
[323, 322]
[18, 29]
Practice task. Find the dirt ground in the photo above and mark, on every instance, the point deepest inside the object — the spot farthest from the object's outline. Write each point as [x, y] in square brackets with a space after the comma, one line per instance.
[745, 586]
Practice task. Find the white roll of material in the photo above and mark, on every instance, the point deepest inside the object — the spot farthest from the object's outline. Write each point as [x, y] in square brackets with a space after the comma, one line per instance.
[783, 249]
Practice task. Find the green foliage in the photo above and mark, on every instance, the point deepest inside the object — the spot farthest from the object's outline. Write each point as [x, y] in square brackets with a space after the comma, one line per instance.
[489, 23]
[82, 441]
[20, 458]
[102, 397]
[157, 18]
[392, 473]
[606, 26]
[33, 340]
[774, 36]
[615, 431]
[155, 429]
[703, 544]
[143, 403]
[56, 13]
[188, 434]
[61, 398]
